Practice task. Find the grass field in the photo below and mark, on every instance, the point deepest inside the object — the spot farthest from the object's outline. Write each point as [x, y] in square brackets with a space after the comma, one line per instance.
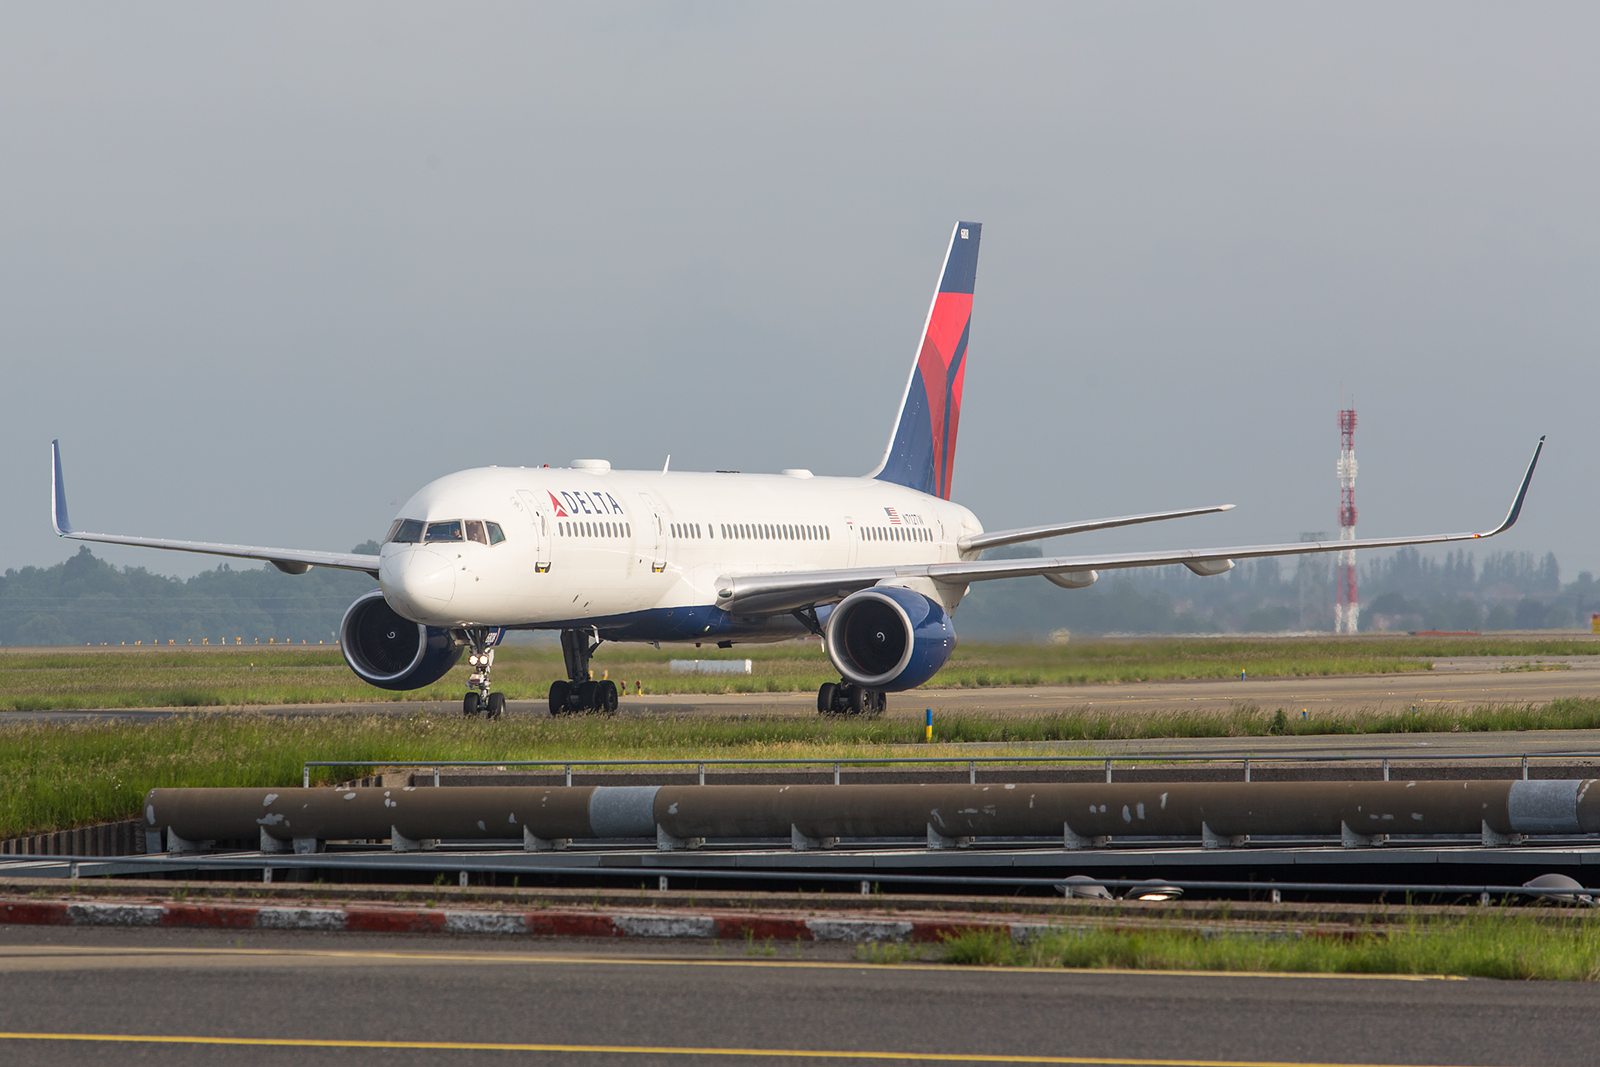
[75, 774]
[1500, 944]
[71, 679]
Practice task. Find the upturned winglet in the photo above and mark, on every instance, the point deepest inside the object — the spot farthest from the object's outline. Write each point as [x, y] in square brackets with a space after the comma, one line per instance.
[58, 494]
[1516, 505]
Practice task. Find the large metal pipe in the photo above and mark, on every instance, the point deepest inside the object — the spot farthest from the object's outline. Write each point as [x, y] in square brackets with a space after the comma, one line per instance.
[1092, 810]
[817, 812]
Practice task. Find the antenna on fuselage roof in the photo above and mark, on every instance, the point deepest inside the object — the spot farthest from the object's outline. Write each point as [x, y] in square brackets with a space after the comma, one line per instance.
[667, 464]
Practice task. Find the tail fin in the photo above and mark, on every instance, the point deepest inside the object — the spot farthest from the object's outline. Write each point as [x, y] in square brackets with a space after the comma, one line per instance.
[922, 448]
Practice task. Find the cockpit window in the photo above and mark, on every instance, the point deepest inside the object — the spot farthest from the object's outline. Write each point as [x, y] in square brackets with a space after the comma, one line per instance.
[496, 535]
[475, 532]
[405, 531]
[444, 531]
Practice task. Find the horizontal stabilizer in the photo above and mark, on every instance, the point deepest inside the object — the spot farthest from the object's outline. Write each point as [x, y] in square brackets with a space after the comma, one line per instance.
[1039, 533]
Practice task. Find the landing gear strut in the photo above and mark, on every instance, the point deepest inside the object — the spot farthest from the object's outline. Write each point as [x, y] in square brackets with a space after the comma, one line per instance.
[480, 655]
[580, 692]
[847, 698]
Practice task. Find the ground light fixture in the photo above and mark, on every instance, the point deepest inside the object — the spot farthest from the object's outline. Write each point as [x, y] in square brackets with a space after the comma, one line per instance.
[1081, 885]
[1152, 889]
[1564, 889]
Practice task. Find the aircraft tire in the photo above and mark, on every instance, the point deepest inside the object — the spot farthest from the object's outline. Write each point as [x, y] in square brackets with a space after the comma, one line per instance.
[497, 705]
[558, 697]
[606, 698]
[825, 698]
[858, 699]
[588, 696]
[469, 704]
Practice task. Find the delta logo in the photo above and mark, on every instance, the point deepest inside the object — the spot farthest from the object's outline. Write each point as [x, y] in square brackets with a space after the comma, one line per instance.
[561, 512]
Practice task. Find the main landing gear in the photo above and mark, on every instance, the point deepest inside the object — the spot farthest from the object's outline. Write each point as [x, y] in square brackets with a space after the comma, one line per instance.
[847, 698]
[480, 656]
[580, 692]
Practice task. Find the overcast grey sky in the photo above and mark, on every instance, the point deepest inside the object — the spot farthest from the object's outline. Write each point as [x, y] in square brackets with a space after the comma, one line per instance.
[267, 269]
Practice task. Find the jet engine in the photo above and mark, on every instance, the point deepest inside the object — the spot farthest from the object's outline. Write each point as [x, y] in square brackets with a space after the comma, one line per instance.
[889, 639]
[392, 652]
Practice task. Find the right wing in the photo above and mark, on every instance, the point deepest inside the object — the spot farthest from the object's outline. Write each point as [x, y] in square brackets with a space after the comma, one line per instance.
[287, 560]
[765, 594]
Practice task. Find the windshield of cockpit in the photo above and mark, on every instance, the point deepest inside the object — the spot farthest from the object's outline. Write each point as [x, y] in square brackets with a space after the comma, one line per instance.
[415, 531]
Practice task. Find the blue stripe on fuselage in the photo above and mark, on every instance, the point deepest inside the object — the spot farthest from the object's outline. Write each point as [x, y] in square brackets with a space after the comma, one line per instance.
[691, 623]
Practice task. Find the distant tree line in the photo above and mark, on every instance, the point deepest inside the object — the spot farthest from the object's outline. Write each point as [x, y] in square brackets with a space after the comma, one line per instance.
[86, 600]
[1403, 591]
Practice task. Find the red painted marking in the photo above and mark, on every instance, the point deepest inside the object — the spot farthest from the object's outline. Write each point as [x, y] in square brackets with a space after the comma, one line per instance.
[762, 927]
[393, 920]
[52, 914]
[208, 915]
[579, 924]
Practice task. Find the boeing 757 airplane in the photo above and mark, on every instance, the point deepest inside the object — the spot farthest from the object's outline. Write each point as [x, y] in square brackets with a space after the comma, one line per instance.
[874, 565]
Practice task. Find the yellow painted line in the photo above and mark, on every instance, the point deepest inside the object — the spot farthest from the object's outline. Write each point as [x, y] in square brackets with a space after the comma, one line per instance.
[683, 961]
[659, 1050]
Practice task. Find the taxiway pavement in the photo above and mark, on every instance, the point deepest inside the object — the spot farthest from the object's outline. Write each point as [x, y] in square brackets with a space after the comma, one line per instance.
[1458, 684]
[359, 999]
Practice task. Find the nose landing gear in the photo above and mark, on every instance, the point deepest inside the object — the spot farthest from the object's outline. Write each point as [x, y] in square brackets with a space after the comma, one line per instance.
[847, 698]
[580, 692]
[480, 656]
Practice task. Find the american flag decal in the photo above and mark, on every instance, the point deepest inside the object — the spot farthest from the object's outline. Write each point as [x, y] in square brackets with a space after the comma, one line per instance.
[894, 516]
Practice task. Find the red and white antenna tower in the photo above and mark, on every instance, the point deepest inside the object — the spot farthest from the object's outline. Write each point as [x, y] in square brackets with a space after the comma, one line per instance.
[1348, 611]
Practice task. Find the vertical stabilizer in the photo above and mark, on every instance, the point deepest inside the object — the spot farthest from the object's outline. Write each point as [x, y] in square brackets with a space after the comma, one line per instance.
[922, 448]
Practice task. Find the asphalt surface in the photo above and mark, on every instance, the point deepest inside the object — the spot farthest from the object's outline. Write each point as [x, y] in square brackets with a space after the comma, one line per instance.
[603, 1003]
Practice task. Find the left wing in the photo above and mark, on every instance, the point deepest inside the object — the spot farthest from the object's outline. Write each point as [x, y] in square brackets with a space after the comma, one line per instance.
[764, 594]
[1039, 533]
[287, 560]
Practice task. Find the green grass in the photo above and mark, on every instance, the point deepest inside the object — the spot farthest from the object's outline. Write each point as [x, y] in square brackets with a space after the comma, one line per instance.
[194, 676]
[1501, 944]
[60, 775]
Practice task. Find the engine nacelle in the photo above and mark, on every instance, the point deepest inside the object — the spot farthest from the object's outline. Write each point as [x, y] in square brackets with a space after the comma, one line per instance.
[889, 638]
[392, 652]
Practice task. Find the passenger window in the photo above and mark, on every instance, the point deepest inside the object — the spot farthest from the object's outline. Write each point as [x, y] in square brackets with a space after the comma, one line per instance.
[406, 532]
[444, 531]
[496, 535]
[475, 532]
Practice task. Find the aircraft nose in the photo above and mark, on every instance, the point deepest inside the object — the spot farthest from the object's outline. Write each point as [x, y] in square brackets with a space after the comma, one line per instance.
[419, 578]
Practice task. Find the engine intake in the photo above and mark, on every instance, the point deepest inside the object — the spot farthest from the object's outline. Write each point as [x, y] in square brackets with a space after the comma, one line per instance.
[390, 651]
[888, 638]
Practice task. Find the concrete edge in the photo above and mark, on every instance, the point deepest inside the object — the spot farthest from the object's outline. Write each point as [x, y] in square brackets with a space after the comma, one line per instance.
[699, 925]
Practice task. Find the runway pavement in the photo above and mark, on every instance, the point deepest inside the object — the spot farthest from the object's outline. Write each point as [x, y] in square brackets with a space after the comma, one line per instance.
[265, 998]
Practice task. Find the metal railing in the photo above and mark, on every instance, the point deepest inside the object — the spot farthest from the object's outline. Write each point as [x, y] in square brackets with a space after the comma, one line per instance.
[94, 867]
[972, 763]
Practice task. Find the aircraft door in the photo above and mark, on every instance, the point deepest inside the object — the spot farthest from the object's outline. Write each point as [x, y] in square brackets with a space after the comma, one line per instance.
[539, 522]
[654, 534]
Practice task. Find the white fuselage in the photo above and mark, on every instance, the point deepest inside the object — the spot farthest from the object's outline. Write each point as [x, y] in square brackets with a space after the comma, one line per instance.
[638, 553]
